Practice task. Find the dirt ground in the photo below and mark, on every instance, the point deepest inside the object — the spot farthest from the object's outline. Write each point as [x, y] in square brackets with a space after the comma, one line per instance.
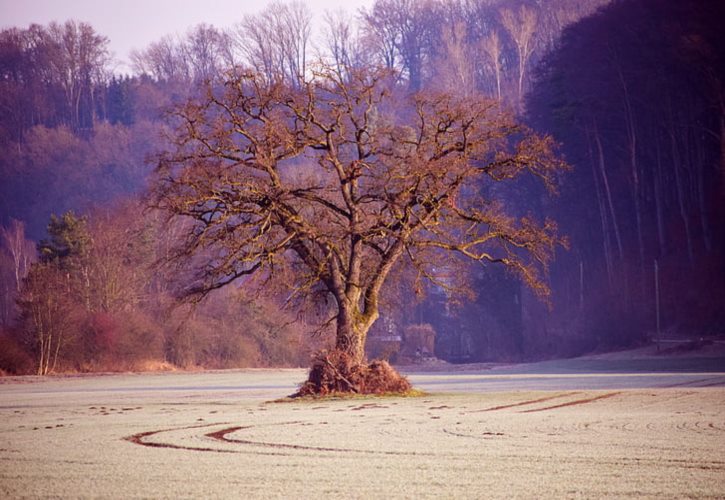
[492, 434]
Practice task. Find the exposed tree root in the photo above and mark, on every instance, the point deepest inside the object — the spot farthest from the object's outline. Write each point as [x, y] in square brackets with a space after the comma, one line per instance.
[336, 372]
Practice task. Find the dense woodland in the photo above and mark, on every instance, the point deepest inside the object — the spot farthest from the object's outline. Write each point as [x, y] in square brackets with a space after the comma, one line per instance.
[633, 90]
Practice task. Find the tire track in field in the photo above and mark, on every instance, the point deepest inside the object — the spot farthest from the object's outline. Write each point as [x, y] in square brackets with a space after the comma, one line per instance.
[573, 403]
[140, 439]
[223, 435]
[524, 403]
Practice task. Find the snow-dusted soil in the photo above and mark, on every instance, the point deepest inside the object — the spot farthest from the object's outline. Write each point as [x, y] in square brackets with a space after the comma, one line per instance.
[500, 433]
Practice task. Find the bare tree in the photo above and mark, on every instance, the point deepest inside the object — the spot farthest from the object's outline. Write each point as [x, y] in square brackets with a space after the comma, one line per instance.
[402, 31]
[16, 255]
[199, 55]
[163, 60]
[276, 42]
[521, 26]
[20, 249]
[294, 38]
[453, 69]
[79, 59]
[381, 34]
[492, 48]
[337, 185]
[48, 314]
[207, 51]
[341, 44]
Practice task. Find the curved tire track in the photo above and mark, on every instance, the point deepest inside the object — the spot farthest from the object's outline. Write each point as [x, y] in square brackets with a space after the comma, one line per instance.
[140, 439]
[573, 403]
[222, 436]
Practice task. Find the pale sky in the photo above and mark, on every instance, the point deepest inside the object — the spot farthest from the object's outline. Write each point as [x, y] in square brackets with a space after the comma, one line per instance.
[133, 24]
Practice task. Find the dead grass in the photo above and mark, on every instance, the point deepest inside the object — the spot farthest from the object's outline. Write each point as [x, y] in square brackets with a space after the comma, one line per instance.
[154, 365]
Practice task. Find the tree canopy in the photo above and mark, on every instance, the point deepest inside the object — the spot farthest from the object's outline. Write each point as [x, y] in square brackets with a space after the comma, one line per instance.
[339, 181]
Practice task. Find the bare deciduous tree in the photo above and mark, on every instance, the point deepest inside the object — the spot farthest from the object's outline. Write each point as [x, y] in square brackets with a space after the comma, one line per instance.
[79, 56]
[207, 51]
[199, 55]
[17, 253]
[454, 72]
[163, 60]
[48, 314]
[402, 33]
[20, 249]
[340, 182]
[341, 44]
[521, 26]
[276, 42]
[492, 48]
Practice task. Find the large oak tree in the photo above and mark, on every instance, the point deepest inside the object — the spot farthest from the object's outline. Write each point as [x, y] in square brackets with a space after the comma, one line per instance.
[339, 181]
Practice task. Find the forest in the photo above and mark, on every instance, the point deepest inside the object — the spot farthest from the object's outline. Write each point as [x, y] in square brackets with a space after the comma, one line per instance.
[632, 92]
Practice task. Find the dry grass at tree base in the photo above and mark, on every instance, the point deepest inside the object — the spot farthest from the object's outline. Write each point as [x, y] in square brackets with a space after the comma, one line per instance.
[336, 372]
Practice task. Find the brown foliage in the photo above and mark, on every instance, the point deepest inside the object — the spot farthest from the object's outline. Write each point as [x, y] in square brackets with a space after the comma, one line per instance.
[338, 372]
[117, 342]
[13, 358]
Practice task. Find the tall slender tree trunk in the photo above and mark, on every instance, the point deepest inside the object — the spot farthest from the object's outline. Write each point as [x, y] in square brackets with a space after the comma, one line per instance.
[522, 68]
[606, 236]
[608, 191]
[658, 201]
[702, 203]
[681, 195]
[498, 81]
[722, 150]
[634, 170]
[41, 360]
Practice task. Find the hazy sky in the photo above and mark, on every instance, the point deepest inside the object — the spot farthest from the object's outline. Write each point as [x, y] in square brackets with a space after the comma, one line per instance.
[133, 24]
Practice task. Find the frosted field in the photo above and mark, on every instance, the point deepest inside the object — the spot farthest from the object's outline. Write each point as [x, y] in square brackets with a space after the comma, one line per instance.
[503, 433]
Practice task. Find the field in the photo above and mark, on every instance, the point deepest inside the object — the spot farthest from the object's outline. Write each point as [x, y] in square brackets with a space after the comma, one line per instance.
[548, 430]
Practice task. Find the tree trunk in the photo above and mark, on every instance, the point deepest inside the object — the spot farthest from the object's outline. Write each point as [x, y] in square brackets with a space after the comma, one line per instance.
[658, 183]
[350, 337]
[722, 149]
[606, 237]
[634, 170]
[352, 328]
[345, 369]
[608, 192]
[699, 169]
[681, 196]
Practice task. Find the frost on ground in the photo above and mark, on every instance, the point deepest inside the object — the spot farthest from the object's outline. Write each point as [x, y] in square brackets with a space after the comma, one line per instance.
[217, 435]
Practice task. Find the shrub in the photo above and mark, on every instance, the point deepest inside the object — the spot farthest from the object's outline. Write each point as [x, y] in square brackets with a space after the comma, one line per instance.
[121, 341]
[14, 360]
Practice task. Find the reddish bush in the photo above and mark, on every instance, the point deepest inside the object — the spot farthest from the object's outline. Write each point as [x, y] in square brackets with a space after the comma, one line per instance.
[118, 342]
[102, 332]
[337, 372]
[14, 359]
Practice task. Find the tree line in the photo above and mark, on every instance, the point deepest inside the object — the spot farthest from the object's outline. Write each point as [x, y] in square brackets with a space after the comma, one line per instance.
[91, 297]
[635, 93]
[62, 74]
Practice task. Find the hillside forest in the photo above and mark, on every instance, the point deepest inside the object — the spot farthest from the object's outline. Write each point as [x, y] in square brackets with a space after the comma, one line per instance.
[631, 91]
